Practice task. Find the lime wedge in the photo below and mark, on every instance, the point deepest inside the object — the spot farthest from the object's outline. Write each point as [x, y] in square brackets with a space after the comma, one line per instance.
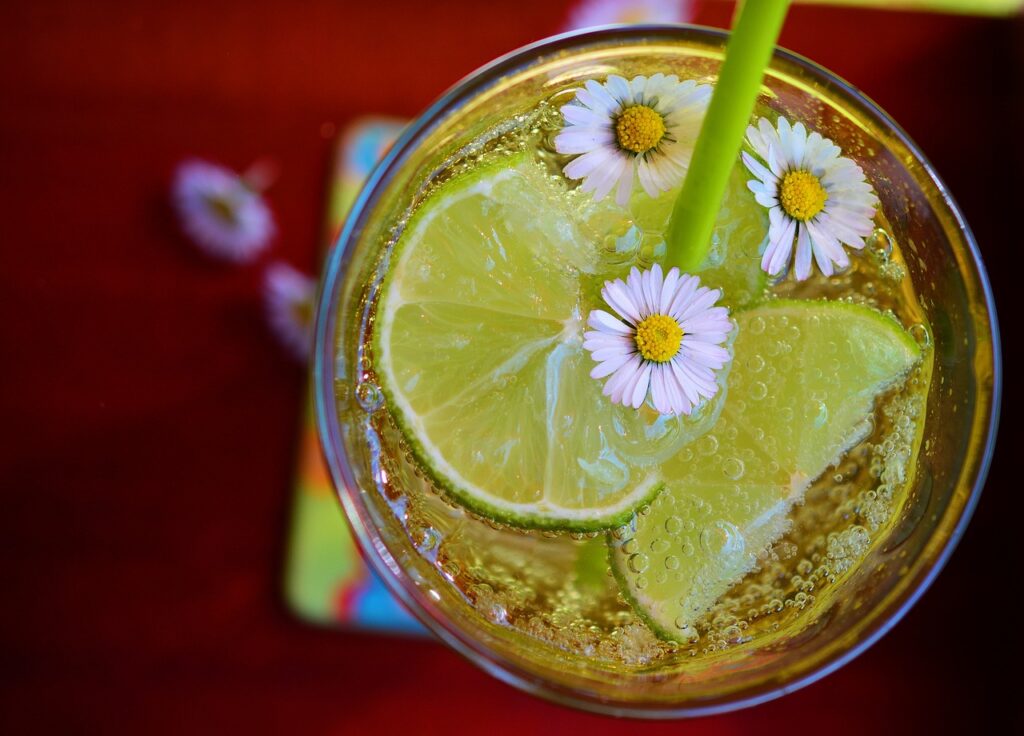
[478, 348]
[805, 377]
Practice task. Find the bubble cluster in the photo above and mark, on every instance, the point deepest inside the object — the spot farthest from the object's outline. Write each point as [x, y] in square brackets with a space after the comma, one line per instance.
[527, 581]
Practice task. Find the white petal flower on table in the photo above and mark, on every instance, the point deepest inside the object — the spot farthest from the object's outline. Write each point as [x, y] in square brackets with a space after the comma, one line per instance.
[605, 12]
[815, 197]
[664, 340]
[222, 212]
[644, 128]
[288, 299]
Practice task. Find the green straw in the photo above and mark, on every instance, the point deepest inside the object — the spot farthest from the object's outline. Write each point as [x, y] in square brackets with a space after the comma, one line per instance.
[747, 55]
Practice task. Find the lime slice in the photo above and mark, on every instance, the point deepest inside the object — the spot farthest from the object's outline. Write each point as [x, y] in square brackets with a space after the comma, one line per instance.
[478, 347]
[805, 377]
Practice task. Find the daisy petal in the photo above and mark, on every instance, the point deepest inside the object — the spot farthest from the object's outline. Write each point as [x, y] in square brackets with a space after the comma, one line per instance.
[619, 89]
[858, 224]
[710, 320]
[624, 186]
[626, 373]
[659, 393]
[582, 140]
[603, 179]
[601, 320]
[841, 231]
[709, 356]
[668, 290]
[701, 378]
[589, 162]
[798, 143]
[652, 283]
[582, 116]
[665, 173]
[610, 352]
[821, 258]
[647, 179]
[774, 162]
[830, 245]
[769, 135]
[639, 389]
[756, 142]
[594, 340]
[701, 301]
[776, 255]
[685, 291]
[827, 248]
[684, 384]
[803, 253]
[634, 282]
[602, 98]
[609, 366]
[617, 296]
[785, 146]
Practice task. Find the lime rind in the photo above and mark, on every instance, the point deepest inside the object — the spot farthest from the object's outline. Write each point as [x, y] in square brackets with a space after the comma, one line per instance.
[524, 516]
[626, 591]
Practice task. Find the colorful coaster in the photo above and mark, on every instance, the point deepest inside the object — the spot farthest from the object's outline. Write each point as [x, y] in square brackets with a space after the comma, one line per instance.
[326, 581]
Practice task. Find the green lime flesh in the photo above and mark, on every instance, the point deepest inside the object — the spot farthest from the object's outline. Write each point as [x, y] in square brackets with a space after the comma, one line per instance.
[804, 381]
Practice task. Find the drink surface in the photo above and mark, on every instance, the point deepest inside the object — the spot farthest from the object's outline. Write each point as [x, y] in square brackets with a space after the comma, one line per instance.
[713, 531]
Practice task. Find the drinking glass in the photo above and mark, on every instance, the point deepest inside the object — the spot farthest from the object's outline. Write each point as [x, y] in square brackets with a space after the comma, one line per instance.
[942, 261]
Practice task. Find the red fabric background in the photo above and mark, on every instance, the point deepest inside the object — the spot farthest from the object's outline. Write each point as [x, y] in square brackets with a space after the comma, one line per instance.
[149, 420]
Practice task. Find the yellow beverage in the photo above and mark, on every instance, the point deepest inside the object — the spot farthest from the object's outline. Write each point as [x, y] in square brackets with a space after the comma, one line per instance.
[624, 559]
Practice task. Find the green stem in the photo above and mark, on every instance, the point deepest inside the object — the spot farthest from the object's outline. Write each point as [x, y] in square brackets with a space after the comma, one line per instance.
[746, 56]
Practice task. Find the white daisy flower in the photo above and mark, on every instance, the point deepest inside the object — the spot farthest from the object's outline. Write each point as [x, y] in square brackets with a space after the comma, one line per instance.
[221, 211]
[664, 339]
[605, 12]
[288, 300]
[814, 197]
[642, 128]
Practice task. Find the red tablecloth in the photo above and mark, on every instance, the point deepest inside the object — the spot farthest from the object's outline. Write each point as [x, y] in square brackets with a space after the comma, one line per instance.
[148, 420]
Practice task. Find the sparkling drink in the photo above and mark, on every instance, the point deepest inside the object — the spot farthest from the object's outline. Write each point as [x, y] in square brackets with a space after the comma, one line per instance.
[625, 557]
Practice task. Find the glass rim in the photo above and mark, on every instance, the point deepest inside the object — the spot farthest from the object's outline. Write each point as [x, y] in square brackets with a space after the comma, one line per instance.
[885, 615]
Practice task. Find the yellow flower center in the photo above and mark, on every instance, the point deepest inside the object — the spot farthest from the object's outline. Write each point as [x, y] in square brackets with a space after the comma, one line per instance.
[303, 311]
[802, 195]
[222, 208]
[658, 338]
[639, 129]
